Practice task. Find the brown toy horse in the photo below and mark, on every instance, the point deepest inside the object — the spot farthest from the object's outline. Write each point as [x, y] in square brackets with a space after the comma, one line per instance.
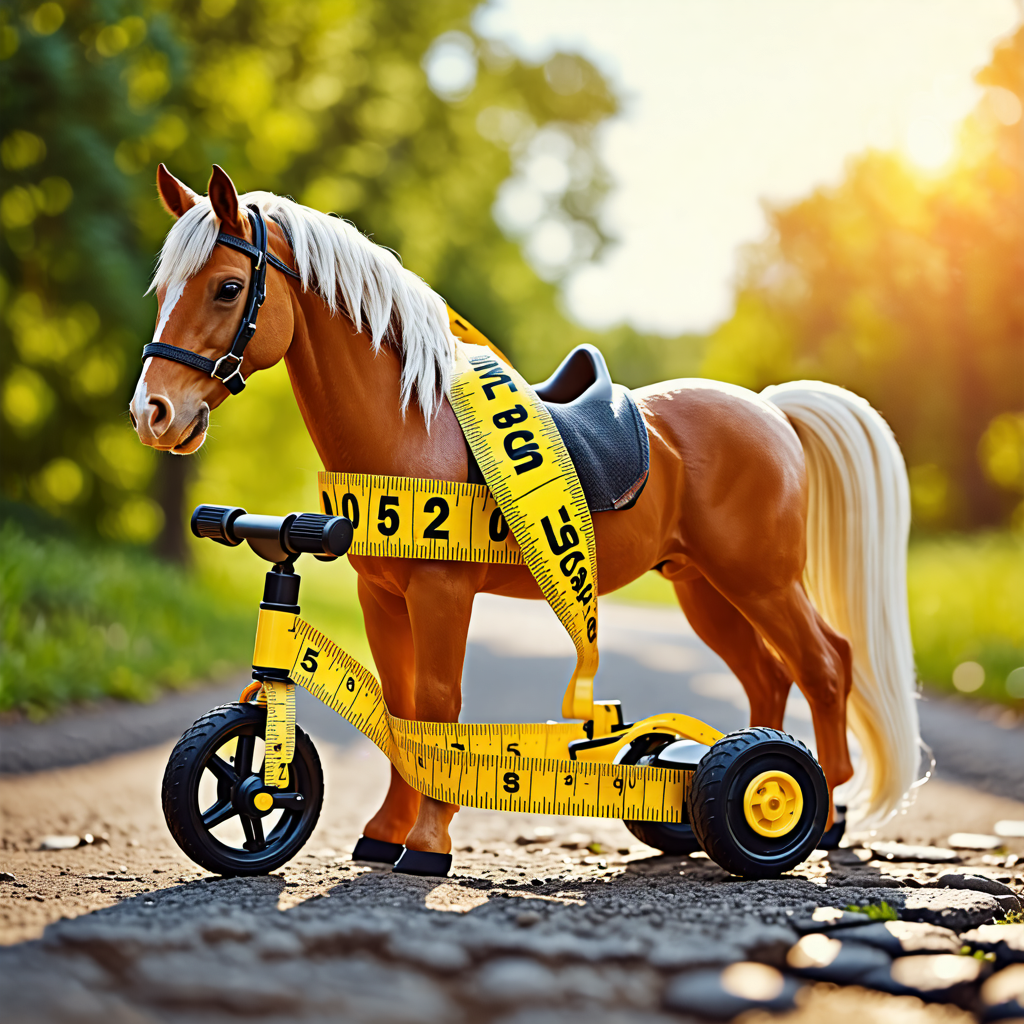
[781, 519]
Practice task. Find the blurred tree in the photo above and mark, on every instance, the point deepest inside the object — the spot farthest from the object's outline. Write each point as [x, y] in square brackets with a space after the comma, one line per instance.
[391, 112]
[908, 289]
[74, 86]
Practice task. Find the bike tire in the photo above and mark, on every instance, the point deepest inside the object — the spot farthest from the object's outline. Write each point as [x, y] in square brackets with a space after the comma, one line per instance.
[194, 755]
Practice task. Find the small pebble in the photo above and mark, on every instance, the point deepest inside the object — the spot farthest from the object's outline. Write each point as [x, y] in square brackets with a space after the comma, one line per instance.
[921, 854]
[60, 842]
[932, 973]
[973, 841]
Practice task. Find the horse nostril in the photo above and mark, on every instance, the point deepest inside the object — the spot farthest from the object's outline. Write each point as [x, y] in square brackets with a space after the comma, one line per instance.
[159, 412]
[158, 417]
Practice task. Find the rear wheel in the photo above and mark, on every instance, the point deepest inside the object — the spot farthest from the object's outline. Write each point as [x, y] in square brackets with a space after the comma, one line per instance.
[215, 803]
[758, 802]
[668, 836]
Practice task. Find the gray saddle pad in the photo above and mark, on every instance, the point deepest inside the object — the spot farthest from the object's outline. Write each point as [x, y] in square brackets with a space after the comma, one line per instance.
[601, 427]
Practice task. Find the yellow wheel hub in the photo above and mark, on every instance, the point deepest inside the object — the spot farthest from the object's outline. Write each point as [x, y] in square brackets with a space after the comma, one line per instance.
[263, 801]
[772, 803]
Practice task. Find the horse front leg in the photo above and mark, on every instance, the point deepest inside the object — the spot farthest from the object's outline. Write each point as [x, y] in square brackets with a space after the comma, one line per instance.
[440, 602]
[389, 633]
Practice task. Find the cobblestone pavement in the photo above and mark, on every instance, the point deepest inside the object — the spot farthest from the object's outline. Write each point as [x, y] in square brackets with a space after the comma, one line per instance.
[543, 920]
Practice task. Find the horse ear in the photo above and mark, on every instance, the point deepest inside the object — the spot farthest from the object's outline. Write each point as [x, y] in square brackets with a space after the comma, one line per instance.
[176, 196]
[224, 200]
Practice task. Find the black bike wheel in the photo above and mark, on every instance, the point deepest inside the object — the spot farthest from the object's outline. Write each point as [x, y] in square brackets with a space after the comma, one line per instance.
[216, 806]
[730, 827]
[670, 837]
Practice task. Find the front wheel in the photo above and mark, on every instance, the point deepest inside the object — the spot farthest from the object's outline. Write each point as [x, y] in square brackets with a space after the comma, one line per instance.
[758, 802]
[215, 803]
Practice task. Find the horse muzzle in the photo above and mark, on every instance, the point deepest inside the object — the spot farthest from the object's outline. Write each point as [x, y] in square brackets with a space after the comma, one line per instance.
[158, 426]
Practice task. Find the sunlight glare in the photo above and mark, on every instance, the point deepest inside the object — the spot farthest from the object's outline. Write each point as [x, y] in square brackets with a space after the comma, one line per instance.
[929, 143]
[730, 103]
[1004, 105]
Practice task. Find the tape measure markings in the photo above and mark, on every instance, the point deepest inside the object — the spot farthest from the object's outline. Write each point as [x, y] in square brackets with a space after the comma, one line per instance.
[466, 512]
[484, 774]
[279, 742]
[478, 373]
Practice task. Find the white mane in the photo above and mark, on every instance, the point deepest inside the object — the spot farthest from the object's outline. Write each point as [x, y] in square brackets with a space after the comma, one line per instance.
[333, 257]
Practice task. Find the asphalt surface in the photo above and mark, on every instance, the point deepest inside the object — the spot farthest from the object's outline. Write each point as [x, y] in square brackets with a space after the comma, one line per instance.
[543, 921]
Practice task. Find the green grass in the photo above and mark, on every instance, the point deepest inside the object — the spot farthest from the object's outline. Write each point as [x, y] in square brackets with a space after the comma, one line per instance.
[83, 622]
[966, 604]
[875, 911]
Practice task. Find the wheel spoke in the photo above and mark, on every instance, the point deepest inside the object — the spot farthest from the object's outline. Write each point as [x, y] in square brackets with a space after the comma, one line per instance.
[218, 813]
[253, 828]
[243, 755]
[223, 771]
[294, 801]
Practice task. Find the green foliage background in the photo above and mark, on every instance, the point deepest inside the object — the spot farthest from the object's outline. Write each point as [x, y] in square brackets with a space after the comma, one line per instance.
[903, 286]
[78, 626]
[327, 101]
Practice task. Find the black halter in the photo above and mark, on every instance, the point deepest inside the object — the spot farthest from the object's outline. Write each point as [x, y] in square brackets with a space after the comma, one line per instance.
[228, 369]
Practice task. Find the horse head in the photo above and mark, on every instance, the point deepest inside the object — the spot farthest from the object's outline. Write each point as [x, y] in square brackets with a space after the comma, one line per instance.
[200, 309]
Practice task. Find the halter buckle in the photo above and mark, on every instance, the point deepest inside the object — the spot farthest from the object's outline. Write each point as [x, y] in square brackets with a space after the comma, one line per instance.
[231, 377]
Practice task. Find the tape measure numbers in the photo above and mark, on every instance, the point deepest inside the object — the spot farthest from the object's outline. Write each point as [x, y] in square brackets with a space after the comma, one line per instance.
[404, 517]
[509, 767]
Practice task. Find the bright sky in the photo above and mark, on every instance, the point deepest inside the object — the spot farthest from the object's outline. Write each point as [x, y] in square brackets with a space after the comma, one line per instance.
[728, 102]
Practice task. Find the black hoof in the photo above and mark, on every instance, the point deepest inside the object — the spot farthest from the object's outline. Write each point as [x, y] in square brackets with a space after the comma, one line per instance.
[832, 837]
[376, 851]
[419, 862]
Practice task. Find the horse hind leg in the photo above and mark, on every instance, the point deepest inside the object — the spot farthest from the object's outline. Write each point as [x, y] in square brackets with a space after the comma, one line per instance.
[724, 629]
[820, 662]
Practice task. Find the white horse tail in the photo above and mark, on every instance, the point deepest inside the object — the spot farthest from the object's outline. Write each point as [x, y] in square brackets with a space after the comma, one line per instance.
[856, 576]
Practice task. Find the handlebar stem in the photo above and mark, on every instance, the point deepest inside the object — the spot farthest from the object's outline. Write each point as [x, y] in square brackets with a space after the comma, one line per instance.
[281, 589]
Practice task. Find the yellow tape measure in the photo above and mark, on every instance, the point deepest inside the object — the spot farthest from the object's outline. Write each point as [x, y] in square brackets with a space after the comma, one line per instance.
[508, 767]
[532, 510]
[530, 474]
[280, 736]
[404, 517]
[535, 491]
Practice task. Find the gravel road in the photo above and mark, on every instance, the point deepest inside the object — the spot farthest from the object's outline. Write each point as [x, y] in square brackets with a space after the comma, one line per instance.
[544, 920]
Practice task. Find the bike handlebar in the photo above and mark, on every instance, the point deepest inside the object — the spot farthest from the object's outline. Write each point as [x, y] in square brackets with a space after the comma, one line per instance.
[307, 532]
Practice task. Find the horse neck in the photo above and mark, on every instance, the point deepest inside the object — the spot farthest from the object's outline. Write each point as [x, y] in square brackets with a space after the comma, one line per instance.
[349, 398]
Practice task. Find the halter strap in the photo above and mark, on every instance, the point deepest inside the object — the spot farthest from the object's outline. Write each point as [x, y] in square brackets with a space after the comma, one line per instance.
[252, 252]
[228, 368]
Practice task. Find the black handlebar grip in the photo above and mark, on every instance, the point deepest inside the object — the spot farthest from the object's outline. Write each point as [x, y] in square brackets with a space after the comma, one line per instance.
[214, 522]
[318, 534]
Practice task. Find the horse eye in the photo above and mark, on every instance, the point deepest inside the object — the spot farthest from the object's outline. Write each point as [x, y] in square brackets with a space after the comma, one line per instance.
[229, 291]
